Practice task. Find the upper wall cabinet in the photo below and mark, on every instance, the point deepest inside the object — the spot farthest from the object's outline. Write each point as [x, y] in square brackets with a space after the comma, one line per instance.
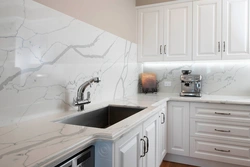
[198, 30]
[165, 33]
[150, 34]
[215, 39]
[207, 30]
[178, 31]
[236, 29]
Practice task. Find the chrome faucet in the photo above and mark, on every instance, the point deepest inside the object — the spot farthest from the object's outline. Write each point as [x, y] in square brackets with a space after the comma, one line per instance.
[80, 101]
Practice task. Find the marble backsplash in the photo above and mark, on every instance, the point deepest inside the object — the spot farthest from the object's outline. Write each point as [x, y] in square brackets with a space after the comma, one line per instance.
[219, 77]
[46, 55]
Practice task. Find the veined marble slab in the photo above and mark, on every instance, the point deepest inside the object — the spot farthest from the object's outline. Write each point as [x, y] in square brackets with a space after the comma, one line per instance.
[219, 77]
[46, 55]
[41, 141]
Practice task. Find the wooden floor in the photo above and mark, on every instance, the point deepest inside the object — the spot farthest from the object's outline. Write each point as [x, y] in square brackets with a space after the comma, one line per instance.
[172, 164]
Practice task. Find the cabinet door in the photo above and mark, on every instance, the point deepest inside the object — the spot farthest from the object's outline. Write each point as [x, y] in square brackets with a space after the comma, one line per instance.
[150, 34]
[236, 29]
[150, 129]
[178, 31]
[162, 133]
[207, 30]
[128, 149]
[178, 128]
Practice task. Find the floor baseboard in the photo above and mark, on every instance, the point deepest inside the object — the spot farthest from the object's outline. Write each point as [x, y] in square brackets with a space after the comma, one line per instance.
[196, 161]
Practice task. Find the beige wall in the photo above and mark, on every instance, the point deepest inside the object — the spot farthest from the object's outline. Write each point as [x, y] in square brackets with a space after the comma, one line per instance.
[147, 2]
[115, 16]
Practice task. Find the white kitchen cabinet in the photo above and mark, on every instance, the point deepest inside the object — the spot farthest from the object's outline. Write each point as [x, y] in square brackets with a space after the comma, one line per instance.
[150, 34]
[236, 29]
[221, 29]
[162, 133]
[139, 148]
[207, 30]
[178, 32]
[128, 149]
[220, 132]
[220, 150]
[150, 129]
[165, 32]
[220, 112]
[178, 128]
[234, 131]
[197, 30]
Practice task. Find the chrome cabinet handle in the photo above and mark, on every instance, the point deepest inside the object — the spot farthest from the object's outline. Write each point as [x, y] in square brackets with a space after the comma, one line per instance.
[165, 52]
[221, 150]
[218, 46]
[224, 46]
[144, 148]
[222, 130]
[218, 113]
[147, 144]
[160, 49]
[164, 118]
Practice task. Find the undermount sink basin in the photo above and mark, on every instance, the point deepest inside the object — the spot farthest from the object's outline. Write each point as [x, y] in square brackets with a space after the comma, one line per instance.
[103, 117]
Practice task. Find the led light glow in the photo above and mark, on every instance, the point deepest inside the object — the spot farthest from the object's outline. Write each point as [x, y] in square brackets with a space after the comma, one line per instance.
[197, 63]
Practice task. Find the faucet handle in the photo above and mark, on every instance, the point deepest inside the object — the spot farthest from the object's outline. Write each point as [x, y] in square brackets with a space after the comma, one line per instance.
[97, 80]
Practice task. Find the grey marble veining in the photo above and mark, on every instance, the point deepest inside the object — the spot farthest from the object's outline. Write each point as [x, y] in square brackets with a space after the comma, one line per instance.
[46, 55]
[40, 142]
[219, 77]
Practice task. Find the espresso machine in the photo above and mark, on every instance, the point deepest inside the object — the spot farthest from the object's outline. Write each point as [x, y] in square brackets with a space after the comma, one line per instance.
[190, 84]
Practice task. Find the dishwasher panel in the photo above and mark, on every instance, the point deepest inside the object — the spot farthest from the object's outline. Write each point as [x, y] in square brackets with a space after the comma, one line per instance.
[82, 159]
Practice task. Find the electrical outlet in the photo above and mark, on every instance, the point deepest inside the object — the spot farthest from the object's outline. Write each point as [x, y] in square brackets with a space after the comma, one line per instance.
[167, 83]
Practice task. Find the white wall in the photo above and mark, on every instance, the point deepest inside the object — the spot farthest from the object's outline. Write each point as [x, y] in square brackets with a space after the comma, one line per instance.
[46, 55]
[115, 16]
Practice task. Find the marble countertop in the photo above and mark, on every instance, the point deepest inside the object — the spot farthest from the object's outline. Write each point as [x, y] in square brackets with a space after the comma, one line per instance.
[40, 141]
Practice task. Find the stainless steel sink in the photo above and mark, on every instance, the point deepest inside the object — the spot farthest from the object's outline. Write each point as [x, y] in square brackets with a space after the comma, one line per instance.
[103, 117]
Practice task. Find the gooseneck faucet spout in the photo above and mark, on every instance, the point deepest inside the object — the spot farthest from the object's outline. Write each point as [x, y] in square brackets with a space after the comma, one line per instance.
[80, 101]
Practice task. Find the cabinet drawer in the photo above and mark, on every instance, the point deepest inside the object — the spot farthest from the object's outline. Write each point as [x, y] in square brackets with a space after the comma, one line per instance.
[222, 151]
[220, 129]
[240, 113]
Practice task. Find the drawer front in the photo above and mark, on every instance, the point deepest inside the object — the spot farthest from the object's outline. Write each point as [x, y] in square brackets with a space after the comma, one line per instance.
[206, 128]
[240, 113]
[220, 151]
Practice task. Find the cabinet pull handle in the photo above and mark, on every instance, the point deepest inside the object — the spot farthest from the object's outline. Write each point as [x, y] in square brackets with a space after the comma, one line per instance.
[144, 148]
[164, 119]
[224, 46]
[222, 130]
[221, 150]
[165, 52]
[160, 49]
[218, 113]
[147, 144]
[218, 46]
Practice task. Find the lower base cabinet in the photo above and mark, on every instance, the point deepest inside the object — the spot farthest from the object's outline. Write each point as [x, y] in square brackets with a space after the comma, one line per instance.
[217, 132]
[140, 147]
[178, 128]
[162, 144]
[150, 130]
[219, 150]
[128, 149]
